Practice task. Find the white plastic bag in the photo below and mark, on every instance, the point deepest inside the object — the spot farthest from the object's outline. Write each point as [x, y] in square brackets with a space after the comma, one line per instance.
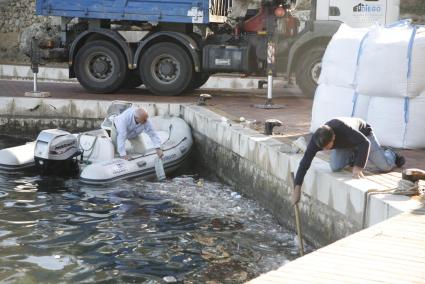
[159, 169]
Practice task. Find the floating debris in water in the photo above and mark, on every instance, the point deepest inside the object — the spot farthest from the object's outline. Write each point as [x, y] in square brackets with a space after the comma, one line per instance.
[216, 254]
[169, 279]
[235, 195]
[204, 240]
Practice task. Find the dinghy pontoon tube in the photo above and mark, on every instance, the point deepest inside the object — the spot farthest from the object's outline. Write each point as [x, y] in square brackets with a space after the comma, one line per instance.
[17, 158]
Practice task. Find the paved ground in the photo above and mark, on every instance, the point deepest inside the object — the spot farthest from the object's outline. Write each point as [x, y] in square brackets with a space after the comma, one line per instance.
[231, 104]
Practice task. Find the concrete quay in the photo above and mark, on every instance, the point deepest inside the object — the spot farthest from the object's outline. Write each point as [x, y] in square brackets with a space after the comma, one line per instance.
[257, 165]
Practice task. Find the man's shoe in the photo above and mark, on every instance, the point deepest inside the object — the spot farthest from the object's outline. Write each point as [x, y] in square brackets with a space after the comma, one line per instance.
[399, 160]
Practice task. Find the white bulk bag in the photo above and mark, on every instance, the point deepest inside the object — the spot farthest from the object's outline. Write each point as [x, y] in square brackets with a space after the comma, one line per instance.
[415, 129]
[360, 106]
[340, 60]
[386, 116]
[383, 62]
[330, 102]
[416, 80]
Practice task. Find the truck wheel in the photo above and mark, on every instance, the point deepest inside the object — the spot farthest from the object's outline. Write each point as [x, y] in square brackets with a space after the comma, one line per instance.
[132, 81]
[199, 79]
[166, 69]
[100, 67]
[308, 70]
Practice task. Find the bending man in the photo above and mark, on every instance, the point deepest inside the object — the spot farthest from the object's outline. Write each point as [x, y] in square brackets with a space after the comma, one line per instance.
[129, 125]
[352, 143]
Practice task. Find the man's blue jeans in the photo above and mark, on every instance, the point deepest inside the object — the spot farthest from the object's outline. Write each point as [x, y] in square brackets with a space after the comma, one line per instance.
[384, 160]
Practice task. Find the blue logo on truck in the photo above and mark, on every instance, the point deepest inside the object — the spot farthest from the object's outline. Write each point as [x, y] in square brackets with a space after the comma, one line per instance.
[365, 8]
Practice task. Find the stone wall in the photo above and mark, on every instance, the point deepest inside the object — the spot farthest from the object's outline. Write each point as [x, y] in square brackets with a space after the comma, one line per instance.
[17, 15]
[413, 9]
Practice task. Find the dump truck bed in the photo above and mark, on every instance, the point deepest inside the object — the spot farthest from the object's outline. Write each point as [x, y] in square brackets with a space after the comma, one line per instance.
[177, 11]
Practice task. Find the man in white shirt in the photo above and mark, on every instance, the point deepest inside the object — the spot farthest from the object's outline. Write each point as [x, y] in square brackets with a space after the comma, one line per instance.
[129, 125]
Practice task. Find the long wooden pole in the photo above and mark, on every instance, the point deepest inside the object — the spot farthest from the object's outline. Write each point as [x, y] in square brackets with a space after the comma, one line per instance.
[298, 220]
[298, 224]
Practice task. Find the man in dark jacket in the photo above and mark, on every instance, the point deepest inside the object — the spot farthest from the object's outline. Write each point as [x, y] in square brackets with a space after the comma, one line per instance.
[352, 143]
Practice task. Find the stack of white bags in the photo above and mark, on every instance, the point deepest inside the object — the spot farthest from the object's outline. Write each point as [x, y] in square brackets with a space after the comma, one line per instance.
[377, 74]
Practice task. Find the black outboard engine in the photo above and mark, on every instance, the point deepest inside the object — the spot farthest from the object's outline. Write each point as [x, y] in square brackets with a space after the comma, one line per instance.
[55, 152]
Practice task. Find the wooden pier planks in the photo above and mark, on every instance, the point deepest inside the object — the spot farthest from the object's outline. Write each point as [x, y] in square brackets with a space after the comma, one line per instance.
[389, 252]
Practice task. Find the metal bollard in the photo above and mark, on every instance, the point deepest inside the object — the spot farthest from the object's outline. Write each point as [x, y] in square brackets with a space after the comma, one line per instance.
[202, 100]
[270, 124]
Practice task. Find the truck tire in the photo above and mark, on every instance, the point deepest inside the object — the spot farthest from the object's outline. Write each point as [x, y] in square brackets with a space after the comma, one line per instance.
[166, 69]
[132, 81]
[199, 79]
[100, 67]
[308, 70]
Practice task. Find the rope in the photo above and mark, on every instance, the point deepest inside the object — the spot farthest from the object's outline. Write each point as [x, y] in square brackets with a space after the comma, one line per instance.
[91, 148]
[404, 187]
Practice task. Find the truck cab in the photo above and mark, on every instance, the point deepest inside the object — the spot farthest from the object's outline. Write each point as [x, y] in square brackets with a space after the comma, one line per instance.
[357, 14]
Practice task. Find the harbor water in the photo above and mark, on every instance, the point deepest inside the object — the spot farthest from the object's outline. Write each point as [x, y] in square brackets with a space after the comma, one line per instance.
[186, 229]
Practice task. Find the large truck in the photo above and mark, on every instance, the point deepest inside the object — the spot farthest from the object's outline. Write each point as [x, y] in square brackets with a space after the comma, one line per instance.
[174, 46]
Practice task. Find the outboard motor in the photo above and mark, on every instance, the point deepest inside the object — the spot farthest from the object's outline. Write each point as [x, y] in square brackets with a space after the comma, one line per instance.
[56, 151]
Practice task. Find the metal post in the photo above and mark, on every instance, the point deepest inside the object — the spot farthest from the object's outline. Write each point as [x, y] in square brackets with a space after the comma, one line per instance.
[269, 87]
[270, 69]
[271, 60]
[35, 82]
[35, 61]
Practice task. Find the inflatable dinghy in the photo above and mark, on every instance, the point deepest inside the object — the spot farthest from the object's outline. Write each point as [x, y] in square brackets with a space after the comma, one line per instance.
[176, 141]
[92, 153]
